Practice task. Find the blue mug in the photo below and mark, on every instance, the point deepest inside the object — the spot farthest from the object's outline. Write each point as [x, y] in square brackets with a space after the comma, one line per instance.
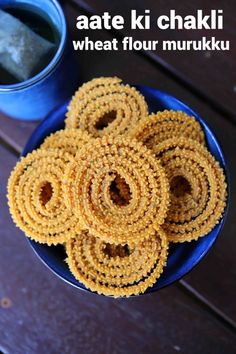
[34, 98]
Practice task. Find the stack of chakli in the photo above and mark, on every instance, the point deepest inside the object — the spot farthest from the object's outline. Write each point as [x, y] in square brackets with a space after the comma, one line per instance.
[116, 186]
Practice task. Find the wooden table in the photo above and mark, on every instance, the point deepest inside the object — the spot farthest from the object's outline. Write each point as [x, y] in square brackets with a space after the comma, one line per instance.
[41, 314]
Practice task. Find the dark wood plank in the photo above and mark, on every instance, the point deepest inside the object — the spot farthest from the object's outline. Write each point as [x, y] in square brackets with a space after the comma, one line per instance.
[217, 270]
[198, 69]
[39, 313]
[15, 132]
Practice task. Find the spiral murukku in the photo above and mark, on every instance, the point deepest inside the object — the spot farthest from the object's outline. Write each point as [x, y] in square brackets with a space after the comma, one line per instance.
[68, 140]
[105, 106]
[164, 125]
[197, 189]
[117, 270]
[36, 200]
[88, 186]
[116, 186]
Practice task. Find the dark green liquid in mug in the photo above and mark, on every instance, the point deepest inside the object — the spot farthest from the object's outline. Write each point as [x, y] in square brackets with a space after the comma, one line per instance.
[42, 26]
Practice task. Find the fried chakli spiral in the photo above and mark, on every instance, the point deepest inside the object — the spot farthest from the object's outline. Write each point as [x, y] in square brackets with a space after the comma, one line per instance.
[88, 184]
[116, 186]
[164, 125]
[105, 106]
[69, 140]
[197, 186]
[36, 198]
[117, 270]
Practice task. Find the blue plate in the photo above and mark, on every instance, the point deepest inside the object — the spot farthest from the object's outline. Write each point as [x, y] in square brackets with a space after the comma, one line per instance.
[182, 257]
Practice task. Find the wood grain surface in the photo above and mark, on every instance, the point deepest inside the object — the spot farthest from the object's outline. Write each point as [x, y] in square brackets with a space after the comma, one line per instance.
[15, 132]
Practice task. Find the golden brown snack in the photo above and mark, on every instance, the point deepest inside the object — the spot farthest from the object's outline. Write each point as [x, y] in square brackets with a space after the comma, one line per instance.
[160, 126]
[69, 140]
[36, 200]
[88, 184]
[197, 187]
[117, 270]
[105, 106]
[116, 186]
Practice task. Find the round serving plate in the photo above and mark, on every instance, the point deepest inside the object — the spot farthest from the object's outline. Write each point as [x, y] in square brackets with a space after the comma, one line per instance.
[182, 256]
